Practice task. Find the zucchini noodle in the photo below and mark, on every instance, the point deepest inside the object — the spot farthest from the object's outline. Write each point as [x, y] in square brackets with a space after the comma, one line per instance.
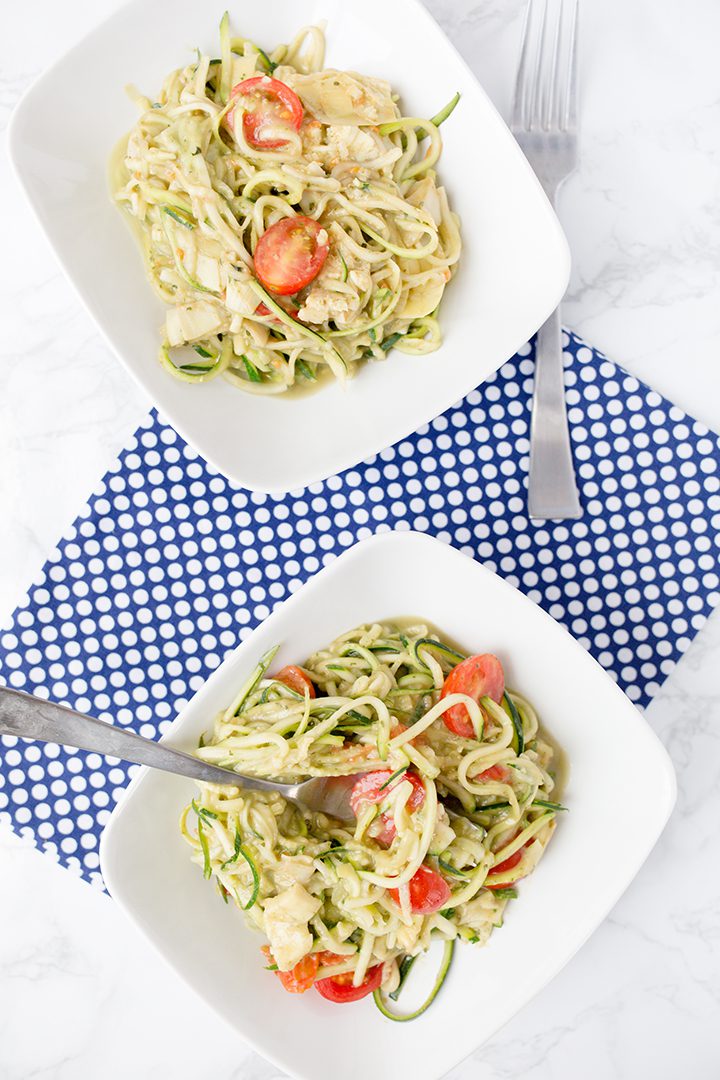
[337, 896]
[201, 196]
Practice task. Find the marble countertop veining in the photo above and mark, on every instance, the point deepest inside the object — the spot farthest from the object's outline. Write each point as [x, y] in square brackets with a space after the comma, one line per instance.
[81, 995]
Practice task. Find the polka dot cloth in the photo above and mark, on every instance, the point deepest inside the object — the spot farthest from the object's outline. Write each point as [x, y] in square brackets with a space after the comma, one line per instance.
[170, 565]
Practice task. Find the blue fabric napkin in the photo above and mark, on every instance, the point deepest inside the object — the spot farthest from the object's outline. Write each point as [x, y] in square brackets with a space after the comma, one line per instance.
[169, 565]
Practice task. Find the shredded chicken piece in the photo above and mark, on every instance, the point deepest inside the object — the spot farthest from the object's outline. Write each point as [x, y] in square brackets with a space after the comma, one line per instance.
[342, 97]
[325, 300]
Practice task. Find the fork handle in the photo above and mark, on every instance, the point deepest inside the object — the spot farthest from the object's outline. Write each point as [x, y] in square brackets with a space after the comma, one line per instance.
[552, 491]
[30, 717]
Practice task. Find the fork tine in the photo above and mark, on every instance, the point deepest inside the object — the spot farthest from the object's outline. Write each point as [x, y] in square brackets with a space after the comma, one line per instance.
[569, 102]
[553, 104]
[536, 107]
[522, 80]
[546, 83]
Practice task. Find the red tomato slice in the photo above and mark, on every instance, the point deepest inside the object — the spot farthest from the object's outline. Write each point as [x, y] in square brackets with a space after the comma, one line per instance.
[269, 104]
[339, 988]
[289, 255]
[296, 679]
[428, 892]
[370, 788]
[507, 864]
[301, 977]
[478, 676]
[367, 789]
[496, 772]
[383, 830]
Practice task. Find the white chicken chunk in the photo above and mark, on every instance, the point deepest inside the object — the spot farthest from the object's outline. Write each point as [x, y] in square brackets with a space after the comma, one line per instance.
[192, 322]
[207, 271]
[292, 869]
[444, 834]
[240, 298]
[286, 925]
[407, 935]
[480, 914]
[342, 97]
[137, 146]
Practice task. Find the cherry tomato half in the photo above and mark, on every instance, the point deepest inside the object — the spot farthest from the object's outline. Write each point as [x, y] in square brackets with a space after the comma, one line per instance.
[478, 676]
[301, 977]
[339, 988]
[428, 892]
[269, 105]
[290, 254]
[296, 679]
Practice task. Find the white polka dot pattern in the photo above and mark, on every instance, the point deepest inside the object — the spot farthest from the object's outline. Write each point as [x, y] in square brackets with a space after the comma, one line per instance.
[170, 565]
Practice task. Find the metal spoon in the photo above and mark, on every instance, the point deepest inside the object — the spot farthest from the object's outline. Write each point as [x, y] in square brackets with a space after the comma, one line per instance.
[31, 717]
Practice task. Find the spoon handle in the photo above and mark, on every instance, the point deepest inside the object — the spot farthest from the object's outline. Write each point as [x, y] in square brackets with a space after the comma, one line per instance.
[31, 717]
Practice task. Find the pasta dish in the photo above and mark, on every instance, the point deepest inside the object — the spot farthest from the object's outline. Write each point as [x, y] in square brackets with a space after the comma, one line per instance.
[450, 799]
[290, 216]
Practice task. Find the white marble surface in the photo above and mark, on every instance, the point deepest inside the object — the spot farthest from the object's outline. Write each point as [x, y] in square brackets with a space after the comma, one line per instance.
[81, 996]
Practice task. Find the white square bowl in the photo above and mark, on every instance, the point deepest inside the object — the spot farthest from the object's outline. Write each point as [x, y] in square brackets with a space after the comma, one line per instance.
[594, 854]
[514, 268]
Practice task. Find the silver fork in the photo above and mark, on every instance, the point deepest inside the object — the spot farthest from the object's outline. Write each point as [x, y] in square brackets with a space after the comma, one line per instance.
[544, 122]
[28, 717]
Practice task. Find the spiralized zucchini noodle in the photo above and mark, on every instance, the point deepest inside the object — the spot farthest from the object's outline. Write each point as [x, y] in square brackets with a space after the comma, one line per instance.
[446, 823]
[234, 146]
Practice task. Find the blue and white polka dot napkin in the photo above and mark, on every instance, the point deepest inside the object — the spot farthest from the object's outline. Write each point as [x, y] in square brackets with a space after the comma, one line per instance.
[170, 565]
